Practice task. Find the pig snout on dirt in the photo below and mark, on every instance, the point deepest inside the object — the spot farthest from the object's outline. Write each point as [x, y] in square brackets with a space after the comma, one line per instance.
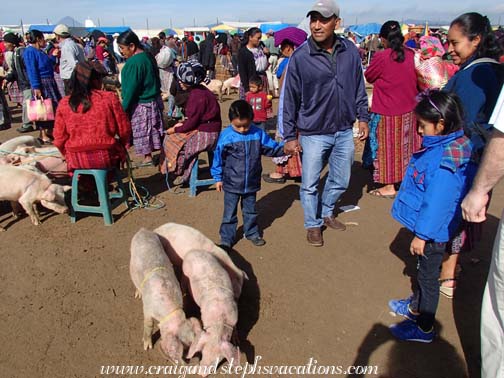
[153, 276]
[212, 290]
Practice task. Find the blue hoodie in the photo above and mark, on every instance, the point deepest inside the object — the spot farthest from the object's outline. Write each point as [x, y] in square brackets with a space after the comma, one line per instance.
[237, 159]
[322, 95]
[436, 181]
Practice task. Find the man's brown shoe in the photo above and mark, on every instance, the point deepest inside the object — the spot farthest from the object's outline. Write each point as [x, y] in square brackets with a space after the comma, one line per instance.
[314, 237]
[333, 223]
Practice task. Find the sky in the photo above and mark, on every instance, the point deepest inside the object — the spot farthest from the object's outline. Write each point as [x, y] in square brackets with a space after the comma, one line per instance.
[159, 14]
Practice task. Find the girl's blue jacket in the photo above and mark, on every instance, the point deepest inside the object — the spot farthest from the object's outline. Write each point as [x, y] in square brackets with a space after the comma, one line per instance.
[436, 181]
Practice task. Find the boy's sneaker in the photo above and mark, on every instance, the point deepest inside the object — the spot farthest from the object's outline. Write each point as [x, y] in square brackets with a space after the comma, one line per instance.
[408, 330]
[401, 307]
[258, 241]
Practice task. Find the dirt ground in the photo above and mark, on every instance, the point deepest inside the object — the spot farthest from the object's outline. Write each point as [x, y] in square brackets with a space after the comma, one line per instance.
[68, 307]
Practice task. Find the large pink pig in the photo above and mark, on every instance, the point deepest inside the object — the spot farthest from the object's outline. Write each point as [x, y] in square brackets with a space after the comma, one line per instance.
[28, 188]
[211, 289]
[178, 239]
[152, 273]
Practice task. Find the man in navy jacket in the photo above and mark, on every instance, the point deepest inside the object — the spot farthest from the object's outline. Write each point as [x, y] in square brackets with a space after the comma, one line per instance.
[324, 93]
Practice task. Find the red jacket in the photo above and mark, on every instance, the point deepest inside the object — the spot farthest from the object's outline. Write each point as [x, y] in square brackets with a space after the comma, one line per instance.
[260, 103]
[395, 84]
[94, 130]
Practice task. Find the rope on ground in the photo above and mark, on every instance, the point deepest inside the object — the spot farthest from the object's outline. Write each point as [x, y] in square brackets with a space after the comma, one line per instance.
[141, 197]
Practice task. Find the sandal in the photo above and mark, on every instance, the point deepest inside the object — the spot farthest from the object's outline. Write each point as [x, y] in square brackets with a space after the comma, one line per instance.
[445, 290]
[377, 193]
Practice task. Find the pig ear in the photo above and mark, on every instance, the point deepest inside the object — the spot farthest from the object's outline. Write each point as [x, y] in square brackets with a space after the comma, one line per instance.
[49, 194]
[66, 188]
[197, 346]
[231, 352]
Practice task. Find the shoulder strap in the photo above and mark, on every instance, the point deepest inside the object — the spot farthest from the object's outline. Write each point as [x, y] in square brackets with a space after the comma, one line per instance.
[481, 60]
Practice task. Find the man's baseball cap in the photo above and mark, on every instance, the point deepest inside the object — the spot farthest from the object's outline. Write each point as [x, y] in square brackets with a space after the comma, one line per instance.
[327, 8]
[62, 30]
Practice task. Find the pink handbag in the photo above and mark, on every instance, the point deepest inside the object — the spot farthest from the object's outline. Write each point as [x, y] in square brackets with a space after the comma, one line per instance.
[40, 110]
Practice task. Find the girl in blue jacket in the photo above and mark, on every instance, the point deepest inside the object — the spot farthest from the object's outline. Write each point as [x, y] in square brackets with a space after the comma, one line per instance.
[428, 204]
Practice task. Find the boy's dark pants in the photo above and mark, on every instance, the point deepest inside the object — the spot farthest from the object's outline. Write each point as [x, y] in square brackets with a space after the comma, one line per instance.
[230, 220]
[426, 297]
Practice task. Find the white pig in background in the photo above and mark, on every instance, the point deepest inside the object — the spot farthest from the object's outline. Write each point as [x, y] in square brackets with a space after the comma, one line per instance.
[28, 187]
[25, 140]
[212, 291]
[215, 86]
[152, 273]
[178, 239]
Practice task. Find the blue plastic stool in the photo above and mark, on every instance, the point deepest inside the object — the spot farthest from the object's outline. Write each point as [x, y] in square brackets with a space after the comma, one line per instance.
[194, 182]
[108, 201]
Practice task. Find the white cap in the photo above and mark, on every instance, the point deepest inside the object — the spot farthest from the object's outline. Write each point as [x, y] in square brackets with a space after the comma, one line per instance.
[62, 30]
[327, 8]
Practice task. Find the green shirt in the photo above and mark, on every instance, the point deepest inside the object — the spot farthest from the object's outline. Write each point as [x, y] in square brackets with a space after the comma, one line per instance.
[139, 81]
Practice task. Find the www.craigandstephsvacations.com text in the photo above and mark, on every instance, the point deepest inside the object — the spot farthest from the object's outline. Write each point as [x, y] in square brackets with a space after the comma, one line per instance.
[310, 369]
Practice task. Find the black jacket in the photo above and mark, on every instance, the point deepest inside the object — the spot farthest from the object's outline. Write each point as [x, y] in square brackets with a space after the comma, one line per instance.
[206, 54]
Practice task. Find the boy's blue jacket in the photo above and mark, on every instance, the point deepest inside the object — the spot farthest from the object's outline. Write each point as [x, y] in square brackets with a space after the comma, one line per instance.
[237, 159]
[436, 181]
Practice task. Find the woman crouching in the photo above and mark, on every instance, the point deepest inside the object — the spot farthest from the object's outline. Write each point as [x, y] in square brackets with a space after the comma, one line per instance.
[198, 132]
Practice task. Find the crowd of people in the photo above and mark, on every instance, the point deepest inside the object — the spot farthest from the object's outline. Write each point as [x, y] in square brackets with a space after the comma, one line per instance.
[426, 129]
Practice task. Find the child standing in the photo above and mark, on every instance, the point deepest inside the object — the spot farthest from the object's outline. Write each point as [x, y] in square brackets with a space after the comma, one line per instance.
[428, 204]
[237, 170]
[259, 100]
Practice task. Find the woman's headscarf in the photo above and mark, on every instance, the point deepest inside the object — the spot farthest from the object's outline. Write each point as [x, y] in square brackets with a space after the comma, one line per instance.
[84, 71]
[190, 73]
[431, 47]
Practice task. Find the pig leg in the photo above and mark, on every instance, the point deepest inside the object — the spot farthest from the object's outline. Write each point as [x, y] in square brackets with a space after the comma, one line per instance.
[147, 333]
[138, 294]
[16, 209]
[28, 207]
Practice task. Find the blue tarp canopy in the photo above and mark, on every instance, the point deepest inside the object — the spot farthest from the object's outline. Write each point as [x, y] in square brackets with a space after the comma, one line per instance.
[365, 29]
[110, 29]
[43, 28]
[275, 27]
[105, 29]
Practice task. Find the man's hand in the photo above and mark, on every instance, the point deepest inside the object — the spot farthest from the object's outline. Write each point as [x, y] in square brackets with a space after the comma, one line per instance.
[417, 246]
[37, 93]
[218, 186]
[474, 206]
[292, 147]
[363, 130]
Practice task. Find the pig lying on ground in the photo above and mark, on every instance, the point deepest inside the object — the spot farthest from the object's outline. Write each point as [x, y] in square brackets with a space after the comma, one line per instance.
[153, 276]
[211, 289]
[28, 188]
[25, 140]
[178, 239]
[46, 159]
[215, 86]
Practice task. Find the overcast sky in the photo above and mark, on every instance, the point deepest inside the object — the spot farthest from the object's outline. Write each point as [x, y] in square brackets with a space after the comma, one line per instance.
[202, 12]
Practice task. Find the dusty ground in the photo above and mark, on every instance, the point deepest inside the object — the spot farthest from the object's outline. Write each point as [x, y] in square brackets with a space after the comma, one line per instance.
[68, 307]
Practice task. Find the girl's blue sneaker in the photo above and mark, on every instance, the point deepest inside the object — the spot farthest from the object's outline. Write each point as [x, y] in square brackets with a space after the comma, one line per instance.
[401, 307]
[408, 330]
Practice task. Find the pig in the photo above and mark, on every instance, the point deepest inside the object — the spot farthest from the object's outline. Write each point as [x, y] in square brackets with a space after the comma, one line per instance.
[28, 188]
[44, 159]
[12, 144]
[212, 291]
[215, 86]
[231, 83]
[153, 276]
[178, 239]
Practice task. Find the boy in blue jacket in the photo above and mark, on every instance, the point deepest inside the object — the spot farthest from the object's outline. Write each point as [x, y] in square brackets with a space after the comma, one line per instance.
[428, 204]
[237, 170]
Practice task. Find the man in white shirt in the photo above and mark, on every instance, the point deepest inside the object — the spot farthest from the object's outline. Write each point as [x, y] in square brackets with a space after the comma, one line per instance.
[117, 53]
[489, 174]
[71, 54]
